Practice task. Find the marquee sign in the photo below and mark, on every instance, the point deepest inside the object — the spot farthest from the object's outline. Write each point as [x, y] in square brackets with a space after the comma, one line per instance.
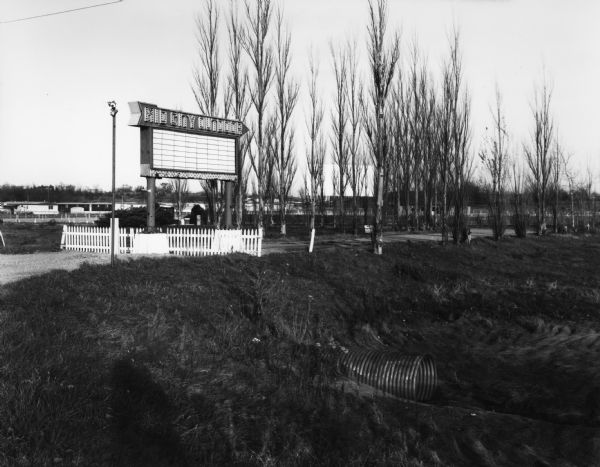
[176, 144]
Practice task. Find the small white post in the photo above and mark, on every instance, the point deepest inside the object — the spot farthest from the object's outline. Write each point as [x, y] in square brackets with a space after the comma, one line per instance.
[2, 238]
[260, 237]
[312, 241]
[63, 238]
[115, 239]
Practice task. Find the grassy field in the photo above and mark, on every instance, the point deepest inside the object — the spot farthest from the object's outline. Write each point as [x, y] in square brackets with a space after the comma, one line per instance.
[30, 238]
[215, 361]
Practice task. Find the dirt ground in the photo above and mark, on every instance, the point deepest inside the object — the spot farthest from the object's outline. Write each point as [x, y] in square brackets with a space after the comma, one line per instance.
[16, 267]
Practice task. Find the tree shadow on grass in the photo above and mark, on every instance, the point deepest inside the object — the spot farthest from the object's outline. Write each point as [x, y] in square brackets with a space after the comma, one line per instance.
[142, 419]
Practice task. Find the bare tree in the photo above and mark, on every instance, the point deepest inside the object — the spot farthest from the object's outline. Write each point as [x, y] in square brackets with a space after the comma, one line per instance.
[414, 118]
[314, 156]
[269, 175]
[462, 167]
[461, 163]
[396, 148]
[206, 77]
[237, 84]
[571, 177]
[591, 199]
[383, 60]
[287, 95]
[354, 137]
[179, 189]
[538, 155]
[494, 157]
[429, 149]
[285, 169]
[243, 190]
[402, 163]
[445, 111]
[335, 182]
[214, 199]
[320, 178]
[362, 184]
[259, 51]
[419, 135]
[519, 200]
[557, 171]
[339, 119]
[455, 163]
[206, 89]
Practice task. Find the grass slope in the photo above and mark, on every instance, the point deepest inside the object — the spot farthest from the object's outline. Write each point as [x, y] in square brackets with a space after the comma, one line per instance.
[214, 361]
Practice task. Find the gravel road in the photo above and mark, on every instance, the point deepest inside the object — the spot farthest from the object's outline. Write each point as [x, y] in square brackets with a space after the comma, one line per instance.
[15, 267]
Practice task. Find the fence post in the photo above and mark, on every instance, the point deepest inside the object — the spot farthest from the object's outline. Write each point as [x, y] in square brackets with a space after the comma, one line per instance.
[260, 237]
[63, 238]
[116, 239]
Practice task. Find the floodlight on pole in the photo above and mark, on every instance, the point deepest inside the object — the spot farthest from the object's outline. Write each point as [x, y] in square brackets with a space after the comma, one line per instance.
[113, 113]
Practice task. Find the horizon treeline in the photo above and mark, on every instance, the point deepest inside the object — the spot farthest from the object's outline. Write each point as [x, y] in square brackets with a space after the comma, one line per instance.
[64, 193]
[476, 195]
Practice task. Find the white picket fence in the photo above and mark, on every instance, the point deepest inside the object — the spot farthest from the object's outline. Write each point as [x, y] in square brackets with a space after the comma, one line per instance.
[201, 242]
[187, 242]
[96, 239]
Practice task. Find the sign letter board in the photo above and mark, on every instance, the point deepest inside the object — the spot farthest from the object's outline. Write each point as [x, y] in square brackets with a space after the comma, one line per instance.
[176, 144]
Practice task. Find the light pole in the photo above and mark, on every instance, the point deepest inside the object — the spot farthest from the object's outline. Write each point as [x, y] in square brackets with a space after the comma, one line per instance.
[113, 114]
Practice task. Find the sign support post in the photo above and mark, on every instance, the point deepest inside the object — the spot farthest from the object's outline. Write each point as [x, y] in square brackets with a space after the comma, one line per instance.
[151, 200]
[228, 202]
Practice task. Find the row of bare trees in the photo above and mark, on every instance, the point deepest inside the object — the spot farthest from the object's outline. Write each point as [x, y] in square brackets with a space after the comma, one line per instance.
[534, 174]
[417, 132]
[244, 86]
[395, 134]
[398, 129]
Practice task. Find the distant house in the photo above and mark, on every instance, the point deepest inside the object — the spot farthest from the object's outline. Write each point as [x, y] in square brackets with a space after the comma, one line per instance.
[41, 208]
[37, 209]
[128, 205]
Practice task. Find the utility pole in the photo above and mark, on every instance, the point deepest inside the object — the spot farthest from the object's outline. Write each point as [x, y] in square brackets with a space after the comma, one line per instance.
[113, 114]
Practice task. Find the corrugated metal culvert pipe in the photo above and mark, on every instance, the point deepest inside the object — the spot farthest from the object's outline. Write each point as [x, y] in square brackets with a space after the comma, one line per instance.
[412, 377]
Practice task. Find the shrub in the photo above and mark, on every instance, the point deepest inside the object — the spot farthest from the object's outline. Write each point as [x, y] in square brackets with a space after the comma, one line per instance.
[457, 227]
[198, 211]
[521, 221]
[136, 217]
[498, 224]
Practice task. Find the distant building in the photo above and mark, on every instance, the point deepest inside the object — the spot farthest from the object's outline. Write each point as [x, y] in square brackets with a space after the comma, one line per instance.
[37, 209]
[49, 209]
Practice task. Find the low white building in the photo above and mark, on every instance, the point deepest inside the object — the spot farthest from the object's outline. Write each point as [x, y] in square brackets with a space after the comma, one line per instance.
[37, 209]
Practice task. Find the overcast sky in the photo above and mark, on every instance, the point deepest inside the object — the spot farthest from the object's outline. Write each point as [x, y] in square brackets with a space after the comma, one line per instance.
[58, 72]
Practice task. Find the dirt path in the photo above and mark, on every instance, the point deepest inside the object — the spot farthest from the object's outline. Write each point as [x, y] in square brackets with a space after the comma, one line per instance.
[16, 267]
[329, 241]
